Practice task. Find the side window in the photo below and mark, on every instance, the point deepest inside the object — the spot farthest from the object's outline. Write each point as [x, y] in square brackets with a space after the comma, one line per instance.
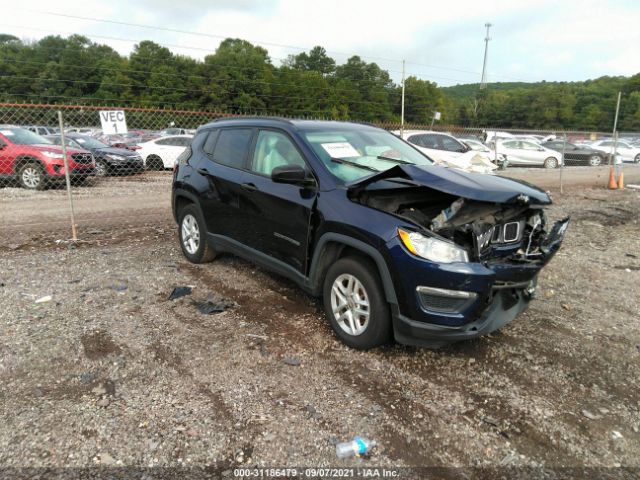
[430, 141]
[274, 149]
[451, 145]
[163, 141]
[510, 144]
[232, 147]
[529, 146]
[606, 143]
[416, 140]
[210, 142]
[185, 142]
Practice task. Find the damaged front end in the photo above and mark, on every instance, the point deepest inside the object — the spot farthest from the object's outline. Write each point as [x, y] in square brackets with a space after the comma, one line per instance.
[498, 223]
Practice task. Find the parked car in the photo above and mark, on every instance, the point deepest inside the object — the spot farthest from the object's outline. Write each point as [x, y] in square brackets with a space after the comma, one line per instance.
[478, 146]
[35, 162]
[574, 154]
[162, 152]
[395, 245]
[173, 131]
[627, 152]
[447, 150]
[109, 160]
[525, 153]
[42, 129]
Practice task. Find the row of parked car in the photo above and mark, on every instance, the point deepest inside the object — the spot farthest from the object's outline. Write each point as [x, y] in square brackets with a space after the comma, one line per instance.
[33, 154]
[499, 150]
[37, 160]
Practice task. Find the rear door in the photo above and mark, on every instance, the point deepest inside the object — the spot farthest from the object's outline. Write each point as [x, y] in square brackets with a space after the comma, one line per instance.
[222, 166]
[279, 213]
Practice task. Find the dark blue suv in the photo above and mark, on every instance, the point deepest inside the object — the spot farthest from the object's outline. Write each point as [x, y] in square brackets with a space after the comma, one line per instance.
[396, 246]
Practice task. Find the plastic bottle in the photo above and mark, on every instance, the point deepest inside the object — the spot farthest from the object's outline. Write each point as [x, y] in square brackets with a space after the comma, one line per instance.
[355, 448]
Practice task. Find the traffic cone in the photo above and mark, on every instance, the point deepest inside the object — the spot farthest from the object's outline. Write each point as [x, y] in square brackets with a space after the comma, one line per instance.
[621, 181]
[612, 180]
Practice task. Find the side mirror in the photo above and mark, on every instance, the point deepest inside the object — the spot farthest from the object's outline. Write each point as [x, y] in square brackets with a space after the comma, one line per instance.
[541, 149]
[291, 174]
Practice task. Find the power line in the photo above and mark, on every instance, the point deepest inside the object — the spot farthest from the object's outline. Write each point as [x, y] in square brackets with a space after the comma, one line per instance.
[209, 35]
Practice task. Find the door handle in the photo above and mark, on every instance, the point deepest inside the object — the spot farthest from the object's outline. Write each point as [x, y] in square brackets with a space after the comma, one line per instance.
[203, 171]
[249, 187]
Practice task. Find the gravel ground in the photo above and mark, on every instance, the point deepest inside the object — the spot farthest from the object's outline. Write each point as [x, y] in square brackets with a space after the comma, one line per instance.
[110, 372]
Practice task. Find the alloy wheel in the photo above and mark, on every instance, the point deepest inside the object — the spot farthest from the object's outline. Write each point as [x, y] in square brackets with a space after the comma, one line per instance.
[190, 234]
[595, 160]
[31, 177]
[350, 304]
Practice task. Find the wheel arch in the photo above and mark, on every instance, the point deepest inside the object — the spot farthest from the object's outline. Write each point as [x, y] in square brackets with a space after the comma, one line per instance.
[333, 246]
[180, 199]
[23, 160]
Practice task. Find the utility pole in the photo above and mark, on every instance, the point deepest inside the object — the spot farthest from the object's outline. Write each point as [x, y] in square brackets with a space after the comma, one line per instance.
[483, 80]
[402, 107]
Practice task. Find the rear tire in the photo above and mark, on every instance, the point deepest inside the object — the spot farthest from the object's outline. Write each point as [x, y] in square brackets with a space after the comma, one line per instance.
[192, 233]
[31, 176]
[551, 162]
[154, 162]
[355, 303]
[637, 159]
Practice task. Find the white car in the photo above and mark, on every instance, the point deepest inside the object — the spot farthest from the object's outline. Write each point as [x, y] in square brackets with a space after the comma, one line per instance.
[627, 152]
[526, 153]
[478, 146]
[447, 150]
[163, 152]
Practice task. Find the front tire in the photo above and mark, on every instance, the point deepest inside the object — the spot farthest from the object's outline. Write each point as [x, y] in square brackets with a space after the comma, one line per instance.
[355, 303]
[102, 169]
[31, 176]
[192, 233]
[551, 162]
[595, 160]
[637, 159]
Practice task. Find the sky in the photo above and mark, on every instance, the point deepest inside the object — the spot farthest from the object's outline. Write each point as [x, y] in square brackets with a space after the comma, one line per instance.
[440, 41]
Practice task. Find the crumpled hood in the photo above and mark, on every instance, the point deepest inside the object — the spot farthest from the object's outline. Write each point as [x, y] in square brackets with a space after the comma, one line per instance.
[473, 186]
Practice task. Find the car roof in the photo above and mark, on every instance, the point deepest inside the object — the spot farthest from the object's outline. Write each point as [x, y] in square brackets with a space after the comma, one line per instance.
[280, 122]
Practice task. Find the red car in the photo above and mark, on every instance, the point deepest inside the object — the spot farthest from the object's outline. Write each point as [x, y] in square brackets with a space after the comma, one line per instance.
[36, 163]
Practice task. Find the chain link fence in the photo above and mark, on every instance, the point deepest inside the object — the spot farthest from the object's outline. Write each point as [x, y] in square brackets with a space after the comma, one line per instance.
[117, 179]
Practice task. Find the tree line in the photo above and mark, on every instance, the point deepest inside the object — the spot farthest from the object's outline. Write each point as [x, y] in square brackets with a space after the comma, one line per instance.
[241, 78]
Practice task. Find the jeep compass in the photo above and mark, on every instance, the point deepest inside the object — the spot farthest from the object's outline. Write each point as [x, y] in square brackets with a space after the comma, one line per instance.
[396, 247]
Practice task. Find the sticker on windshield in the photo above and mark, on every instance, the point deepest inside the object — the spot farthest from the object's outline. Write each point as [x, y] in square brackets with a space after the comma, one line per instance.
[6, 133]
[80, 140]
[340, 150]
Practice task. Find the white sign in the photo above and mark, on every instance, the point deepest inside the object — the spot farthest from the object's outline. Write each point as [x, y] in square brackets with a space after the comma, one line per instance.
[436, 115]
[340, 150]
[113, 122]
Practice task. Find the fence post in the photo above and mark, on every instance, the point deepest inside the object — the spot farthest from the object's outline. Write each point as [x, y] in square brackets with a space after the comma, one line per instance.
[564, 146]
[74, 233]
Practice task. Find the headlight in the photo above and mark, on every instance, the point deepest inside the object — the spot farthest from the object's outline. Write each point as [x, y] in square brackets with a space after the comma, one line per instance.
[432, 248]
[114, 157]
[50, 154]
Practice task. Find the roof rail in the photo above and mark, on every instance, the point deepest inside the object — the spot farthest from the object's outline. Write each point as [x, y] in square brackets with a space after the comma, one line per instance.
[280, 119]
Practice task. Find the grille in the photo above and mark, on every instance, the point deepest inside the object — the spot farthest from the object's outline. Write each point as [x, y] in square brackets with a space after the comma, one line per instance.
[84, 158]
[438, 303]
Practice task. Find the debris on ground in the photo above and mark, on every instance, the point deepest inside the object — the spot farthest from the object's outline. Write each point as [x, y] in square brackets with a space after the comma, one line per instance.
[208, 307]
[355, 448]
[179, 292]
[45, 299]
[294, 362]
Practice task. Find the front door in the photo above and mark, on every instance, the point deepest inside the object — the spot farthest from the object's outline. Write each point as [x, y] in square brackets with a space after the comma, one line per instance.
[280, 213]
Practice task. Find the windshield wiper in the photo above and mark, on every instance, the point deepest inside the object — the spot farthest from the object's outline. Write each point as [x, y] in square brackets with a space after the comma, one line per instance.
[395, 160]
[353, 164]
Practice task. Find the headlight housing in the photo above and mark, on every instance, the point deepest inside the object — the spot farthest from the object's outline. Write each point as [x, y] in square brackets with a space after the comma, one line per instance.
[50, 154]
[432, 248]
[114, 157]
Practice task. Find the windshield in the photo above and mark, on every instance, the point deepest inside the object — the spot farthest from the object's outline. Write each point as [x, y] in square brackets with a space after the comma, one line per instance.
[20, 136]
[351, 154]
[89, 142]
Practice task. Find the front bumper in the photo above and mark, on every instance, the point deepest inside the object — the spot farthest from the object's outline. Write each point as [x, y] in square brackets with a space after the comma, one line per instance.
[504, 306]
[497, 291]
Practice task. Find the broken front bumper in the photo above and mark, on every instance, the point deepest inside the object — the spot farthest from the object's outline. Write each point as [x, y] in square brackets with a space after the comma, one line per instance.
[445, 303]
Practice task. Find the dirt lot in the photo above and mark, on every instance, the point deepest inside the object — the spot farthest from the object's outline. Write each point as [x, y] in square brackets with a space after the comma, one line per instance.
[111, 372]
